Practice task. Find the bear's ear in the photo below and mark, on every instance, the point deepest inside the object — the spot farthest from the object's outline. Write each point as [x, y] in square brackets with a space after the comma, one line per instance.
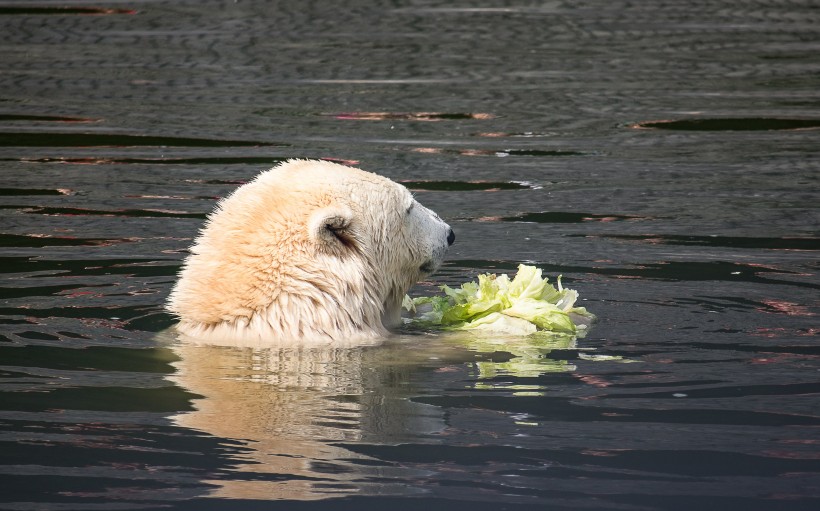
[330, 227]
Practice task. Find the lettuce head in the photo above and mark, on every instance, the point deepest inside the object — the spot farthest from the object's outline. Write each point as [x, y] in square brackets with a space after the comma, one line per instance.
[525, 305]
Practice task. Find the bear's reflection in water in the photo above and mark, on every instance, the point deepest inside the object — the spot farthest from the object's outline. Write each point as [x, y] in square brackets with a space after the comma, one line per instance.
[294, 408]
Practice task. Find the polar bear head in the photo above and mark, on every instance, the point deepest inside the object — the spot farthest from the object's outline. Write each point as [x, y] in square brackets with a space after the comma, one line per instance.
[307, 251]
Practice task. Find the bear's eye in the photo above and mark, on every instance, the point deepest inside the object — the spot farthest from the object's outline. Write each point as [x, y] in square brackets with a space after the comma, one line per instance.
[410, 207]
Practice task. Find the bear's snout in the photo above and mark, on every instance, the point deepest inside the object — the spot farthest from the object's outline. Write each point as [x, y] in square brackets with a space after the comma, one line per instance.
[451, 237]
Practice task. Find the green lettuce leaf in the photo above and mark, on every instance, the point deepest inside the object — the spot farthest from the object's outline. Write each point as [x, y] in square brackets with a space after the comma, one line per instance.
[522, 306]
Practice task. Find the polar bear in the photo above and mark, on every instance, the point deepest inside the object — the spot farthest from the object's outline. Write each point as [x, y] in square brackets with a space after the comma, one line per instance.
[309, 251]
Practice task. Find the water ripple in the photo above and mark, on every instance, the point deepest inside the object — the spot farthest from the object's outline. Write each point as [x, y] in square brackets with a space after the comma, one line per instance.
[731, 124]
[61, 139]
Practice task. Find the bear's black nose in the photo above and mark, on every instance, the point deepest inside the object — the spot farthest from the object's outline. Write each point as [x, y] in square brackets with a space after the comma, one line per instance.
[451, 237]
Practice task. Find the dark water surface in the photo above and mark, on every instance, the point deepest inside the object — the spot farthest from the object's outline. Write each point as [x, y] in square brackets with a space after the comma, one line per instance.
[663, 156]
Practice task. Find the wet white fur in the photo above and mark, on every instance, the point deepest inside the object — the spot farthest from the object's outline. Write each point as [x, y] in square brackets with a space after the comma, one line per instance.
[311, 251]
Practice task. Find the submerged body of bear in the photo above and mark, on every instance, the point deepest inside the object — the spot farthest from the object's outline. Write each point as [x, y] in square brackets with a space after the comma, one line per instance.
[309, 250]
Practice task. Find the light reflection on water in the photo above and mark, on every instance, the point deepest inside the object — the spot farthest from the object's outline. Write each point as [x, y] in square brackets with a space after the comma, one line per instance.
[296, 407]
[662, 158]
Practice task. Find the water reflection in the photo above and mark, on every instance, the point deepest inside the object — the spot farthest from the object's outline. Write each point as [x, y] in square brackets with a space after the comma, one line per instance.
[411, 116]
[298, 409]
[83, 11]
[500, 153]
[529, 358]
[79, 139]
[730, 124]
[294, 406]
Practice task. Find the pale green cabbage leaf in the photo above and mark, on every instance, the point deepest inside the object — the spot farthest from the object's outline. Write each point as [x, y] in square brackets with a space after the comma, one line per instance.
[522, 306]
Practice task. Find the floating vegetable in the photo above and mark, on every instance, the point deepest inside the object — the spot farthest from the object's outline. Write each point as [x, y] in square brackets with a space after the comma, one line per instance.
[524, 305]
